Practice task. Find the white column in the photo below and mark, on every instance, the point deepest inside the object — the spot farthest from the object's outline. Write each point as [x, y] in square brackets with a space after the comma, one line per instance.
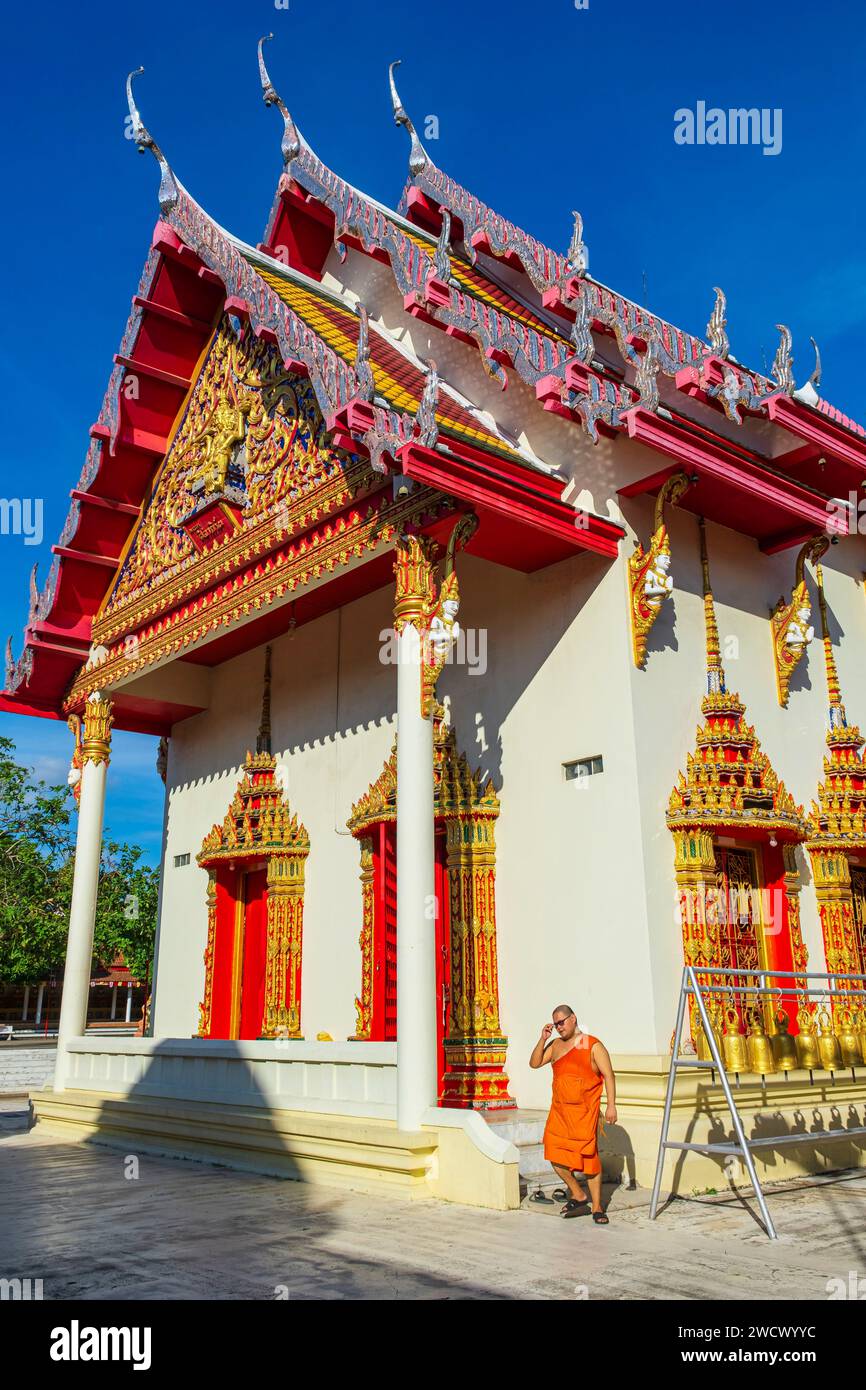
[26, 1005]
[113, 1002]
[128, 1003]
[416, 926]
[39, 997]
[85, 882]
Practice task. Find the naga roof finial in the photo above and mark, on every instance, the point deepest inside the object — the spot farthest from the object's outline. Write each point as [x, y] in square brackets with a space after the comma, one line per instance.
[10, 665]
[363, 370]
[808, 392]
[578, 251]
[291, 141]
[716, 333]
[815, 378]
[425, 415]
[418, 157]
[782, 370]
[168, 189]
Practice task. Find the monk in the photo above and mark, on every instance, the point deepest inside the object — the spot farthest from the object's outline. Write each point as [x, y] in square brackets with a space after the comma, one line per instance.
[581, 1069]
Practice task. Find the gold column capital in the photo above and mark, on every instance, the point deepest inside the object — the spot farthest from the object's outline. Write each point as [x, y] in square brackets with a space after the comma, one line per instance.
[98, 719]
[415, 590]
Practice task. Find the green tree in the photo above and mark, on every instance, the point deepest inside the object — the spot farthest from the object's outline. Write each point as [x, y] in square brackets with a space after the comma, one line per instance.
[37, 856]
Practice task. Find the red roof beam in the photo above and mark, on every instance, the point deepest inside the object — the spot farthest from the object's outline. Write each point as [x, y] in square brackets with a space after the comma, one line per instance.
[534, 502]
[821, 431]
[727, 478]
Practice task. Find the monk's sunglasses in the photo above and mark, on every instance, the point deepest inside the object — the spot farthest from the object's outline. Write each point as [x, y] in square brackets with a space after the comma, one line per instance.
[558, 1022]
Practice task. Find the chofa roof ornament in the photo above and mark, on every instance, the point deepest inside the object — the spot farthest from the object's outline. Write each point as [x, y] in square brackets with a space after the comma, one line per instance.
[168, 188]
[808, 392]
[716, 327]
[578, 252]
[418, 157]
[291, 141]
[782, 370]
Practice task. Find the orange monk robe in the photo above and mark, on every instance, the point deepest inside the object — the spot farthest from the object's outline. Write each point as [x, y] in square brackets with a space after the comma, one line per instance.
[571, 1132]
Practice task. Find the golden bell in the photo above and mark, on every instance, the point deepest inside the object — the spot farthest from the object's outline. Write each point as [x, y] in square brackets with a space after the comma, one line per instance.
[828, 1044]
[702, 1045]
[783, 1045]
[734, 1043]
[759, 1048]
[860, 1028]
[849, 1040]
[806, 1042]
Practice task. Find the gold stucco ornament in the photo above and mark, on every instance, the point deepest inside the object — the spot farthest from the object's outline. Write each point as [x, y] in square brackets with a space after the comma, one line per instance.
[790, 628]
[649, 580]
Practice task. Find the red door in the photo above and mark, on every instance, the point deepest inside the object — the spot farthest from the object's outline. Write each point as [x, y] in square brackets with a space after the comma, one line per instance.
[255, 954]
[385, 986]
[388, 955]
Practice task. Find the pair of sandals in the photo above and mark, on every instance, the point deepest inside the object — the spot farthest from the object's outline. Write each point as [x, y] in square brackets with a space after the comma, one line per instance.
[574, 1207]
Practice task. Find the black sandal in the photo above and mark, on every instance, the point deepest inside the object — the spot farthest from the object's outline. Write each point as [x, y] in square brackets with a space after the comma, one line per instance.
[601, 1218]
[574, 1206]
[541, 1196]
[560, 1194]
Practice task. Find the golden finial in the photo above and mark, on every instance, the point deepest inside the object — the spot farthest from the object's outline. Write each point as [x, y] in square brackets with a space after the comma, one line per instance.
[715, 670]
[263, 742]
[834, 693]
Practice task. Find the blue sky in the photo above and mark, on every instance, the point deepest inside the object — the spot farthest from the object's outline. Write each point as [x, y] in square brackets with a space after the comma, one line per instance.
[541, 108]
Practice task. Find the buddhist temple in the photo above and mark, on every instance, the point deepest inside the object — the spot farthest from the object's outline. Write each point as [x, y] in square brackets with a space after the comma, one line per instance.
[472, 605]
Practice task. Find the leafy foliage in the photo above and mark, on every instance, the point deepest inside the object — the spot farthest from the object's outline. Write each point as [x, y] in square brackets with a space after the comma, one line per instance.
[37, 857]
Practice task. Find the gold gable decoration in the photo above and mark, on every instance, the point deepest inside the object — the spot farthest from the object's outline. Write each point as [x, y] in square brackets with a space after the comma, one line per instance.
[258, 821]
[729, 780]
[250, 444]
[457, 790]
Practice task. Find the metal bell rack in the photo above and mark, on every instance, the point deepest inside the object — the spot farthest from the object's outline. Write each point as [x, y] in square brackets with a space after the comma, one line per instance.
[742, 1147]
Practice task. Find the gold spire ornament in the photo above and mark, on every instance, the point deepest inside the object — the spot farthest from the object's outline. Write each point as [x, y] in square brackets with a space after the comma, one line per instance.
[789, 623]
[715, 670]
[648, 579]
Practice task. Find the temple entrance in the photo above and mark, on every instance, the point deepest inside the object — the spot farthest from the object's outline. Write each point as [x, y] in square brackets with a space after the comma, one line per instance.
[738, 915]
[255, 905]
[384, 1020]
[470, 1043]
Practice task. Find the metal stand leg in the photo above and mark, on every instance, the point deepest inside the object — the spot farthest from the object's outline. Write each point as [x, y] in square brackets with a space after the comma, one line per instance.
[681, 1008]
